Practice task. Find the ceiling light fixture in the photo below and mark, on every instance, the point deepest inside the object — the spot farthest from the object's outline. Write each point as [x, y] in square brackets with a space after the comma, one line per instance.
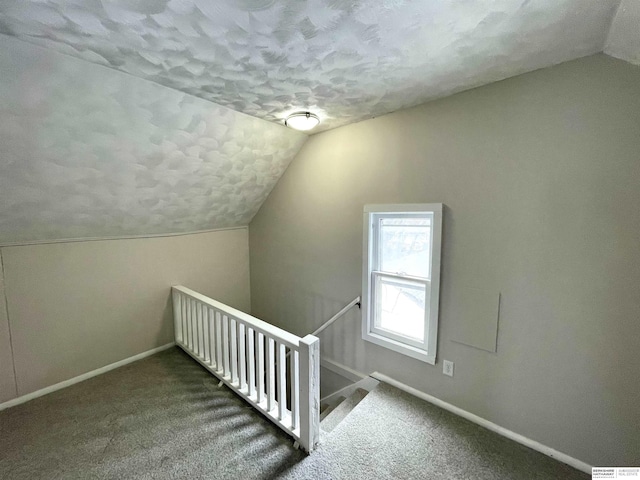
[302, 121]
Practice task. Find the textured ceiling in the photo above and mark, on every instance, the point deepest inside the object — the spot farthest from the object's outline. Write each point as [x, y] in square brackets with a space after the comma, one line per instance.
[86, 151]
[90, 151]
[624, 37]
[345, 59]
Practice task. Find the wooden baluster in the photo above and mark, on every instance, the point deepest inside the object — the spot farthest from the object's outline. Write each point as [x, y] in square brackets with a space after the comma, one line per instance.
[186, 321]
[194, 325]
[295, 390]
[211, 316]
[201, 326]
[282, 380]
[185, 331]
[271, 375]
[177, 325]
[219, 339]
[190, 324]
[234, 350]
[203, 352]
[252, 362]
[242, 356]
[205, 333]
[260, 367]
[225, 345]
[198, 346]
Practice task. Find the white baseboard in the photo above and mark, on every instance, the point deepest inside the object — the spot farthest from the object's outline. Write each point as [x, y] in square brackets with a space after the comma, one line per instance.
[80, 378]
[516, 437]
[340, 369]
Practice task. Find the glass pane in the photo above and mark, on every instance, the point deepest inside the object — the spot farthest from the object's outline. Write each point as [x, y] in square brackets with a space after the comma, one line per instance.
[405, 246]
[400, 306]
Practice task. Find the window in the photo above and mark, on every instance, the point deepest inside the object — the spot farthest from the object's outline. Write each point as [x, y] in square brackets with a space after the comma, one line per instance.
[401, 277]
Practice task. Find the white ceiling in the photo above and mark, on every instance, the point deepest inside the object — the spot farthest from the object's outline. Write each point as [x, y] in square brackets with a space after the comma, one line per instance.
[97, 146]
[345, 59]
[86, 151]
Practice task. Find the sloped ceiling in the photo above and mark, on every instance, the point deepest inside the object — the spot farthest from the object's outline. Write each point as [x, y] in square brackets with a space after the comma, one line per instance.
[93, 144]
[345, 59]
[624, 37]
[87, 151]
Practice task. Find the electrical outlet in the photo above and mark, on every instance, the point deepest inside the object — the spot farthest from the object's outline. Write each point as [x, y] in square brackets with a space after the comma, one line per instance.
[447, 368]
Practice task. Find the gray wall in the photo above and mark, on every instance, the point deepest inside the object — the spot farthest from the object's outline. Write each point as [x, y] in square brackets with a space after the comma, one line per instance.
[7, 377]
[75, 307]
[540, 175]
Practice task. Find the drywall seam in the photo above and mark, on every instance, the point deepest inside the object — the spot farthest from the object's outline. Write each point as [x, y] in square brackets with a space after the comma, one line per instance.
[124, 237]
[84, 376]
[511, 435]
[6, 310]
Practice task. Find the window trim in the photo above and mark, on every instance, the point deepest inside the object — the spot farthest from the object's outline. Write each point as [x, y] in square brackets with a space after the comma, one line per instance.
[394, 342]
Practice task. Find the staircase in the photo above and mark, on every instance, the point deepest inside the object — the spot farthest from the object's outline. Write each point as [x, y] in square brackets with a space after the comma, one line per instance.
[336, 407]
[334, 415]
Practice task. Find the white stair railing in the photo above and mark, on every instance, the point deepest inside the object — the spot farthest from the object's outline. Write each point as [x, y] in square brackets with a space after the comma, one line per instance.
[250, 357]
[345, 309]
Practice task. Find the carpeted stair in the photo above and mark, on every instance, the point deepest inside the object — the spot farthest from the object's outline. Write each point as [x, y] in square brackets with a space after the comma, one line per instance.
[338, 413]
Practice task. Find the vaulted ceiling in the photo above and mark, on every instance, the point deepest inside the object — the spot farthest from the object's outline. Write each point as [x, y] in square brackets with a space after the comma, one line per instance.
[345, 59]
[86, 151]
[135, 117]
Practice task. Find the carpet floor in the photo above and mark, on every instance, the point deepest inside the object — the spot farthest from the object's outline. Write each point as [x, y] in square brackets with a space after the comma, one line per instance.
[165, 418]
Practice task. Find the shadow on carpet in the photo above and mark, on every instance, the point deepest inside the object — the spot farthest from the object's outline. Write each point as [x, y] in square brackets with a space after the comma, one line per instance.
[161, 417]
[165, 418]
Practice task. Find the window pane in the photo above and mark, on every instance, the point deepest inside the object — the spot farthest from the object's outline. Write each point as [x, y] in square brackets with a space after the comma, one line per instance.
[405, 245]
[400, 306]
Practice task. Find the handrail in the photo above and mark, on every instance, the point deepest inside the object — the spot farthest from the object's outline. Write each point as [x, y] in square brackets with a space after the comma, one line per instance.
[355, 301]
[328, 323]
[261, 326]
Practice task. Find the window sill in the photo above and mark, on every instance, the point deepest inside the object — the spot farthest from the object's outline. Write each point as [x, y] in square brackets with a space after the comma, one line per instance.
[408, 350]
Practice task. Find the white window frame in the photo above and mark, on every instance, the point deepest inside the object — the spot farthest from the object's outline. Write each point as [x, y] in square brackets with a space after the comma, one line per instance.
[424, 351]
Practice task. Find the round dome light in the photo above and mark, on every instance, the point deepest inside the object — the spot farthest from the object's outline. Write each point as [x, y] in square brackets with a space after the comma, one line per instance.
[302, 121]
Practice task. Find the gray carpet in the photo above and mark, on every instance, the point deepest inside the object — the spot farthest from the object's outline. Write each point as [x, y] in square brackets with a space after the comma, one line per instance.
[164, 417]
[393, 435]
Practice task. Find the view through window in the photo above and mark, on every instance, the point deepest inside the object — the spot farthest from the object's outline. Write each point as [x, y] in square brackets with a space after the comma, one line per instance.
[399, 275]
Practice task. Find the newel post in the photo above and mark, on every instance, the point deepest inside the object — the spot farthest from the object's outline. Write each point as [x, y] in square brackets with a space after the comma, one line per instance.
[176, 300]
[309, 392]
